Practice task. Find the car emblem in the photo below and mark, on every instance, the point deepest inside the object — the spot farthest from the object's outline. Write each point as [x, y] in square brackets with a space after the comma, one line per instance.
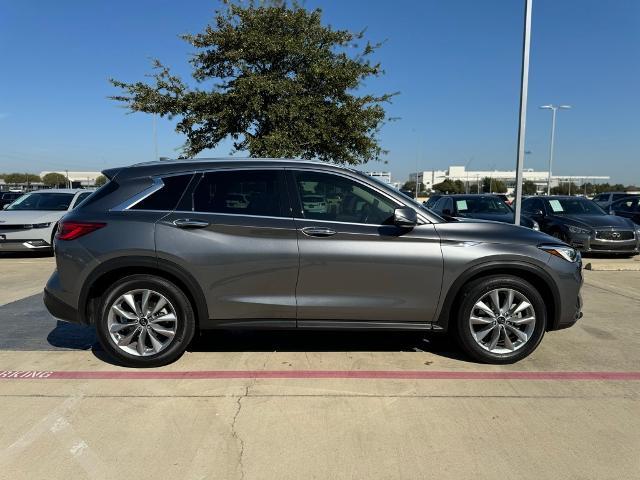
[615, 234]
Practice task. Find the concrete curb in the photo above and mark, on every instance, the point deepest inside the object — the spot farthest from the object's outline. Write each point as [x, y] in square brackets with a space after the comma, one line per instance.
[614, 267]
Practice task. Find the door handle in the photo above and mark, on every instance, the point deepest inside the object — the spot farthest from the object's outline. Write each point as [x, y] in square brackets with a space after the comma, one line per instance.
[318, 231]
[190, 223]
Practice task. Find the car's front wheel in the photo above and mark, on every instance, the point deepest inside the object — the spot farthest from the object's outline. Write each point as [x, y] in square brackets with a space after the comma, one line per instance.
[501, 319]
[145, 321]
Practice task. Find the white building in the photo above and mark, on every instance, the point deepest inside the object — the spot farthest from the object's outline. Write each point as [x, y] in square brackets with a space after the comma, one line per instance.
[382, 176]
[78, 179]
[473, 178]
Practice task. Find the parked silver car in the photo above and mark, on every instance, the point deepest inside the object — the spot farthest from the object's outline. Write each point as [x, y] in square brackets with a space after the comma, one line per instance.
[157, 253]
[30, 221]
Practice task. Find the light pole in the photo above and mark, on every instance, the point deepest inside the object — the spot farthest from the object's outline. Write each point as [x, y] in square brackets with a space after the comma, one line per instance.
[554, 110]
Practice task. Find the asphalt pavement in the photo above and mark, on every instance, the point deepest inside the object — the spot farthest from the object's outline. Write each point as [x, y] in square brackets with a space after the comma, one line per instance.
[292, 405]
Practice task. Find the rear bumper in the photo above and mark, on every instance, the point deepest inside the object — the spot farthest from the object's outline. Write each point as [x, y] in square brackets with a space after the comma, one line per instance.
[59, 308]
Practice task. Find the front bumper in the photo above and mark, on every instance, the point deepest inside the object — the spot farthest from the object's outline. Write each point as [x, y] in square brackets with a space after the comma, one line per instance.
[590, 244]
[23, 245]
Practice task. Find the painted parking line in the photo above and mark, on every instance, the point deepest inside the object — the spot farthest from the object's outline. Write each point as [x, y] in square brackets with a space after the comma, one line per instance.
[311, 374]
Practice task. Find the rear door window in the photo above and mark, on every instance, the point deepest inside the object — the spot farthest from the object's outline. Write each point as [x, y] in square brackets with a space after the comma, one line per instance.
[241, 192]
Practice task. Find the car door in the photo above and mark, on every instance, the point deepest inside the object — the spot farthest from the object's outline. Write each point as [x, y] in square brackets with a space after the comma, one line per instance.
[244, 254]
[355, 264]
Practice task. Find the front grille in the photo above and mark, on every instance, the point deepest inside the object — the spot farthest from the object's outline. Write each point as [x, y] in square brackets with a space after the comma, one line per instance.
[619, 235]
[613, 246]
[14, 227]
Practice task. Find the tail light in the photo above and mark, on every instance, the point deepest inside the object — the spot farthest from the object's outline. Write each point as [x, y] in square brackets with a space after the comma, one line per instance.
[73, 230]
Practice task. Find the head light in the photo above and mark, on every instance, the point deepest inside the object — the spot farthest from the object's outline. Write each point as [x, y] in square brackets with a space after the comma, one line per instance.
[584, 231]
[567, 253]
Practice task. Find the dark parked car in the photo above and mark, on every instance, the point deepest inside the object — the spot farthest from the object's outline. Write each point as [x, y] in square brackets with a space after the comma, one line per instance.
[583, 224]
[628, 207]
[431, 201]
[607, 198]
[7, 197]
[158, 252]
[481, 207]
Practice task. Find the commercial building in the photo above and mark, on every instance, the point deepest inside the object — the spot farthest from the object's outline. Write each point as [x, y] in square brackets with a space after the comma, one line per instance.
[474, 178]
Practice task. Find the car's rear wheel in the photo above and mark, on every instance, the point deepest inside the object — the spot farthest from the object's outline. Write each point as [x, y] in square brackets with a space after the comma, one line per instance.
[145, 321]
[502, 319]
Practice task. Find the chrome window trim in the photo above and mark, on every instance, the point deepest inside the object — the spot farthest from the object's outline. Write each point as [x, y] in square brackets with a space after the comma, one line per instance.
[357, 180]
[156, 185]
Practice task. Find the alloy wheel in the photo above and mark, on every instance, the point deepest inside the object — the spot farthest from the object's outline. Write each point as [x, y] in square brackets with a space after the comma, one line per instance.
[142, 322]
[502, 321]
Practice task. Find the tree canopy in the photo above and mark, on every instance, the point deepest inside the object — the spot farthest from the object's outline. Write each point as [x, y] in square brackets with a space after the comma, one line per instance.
[274, 79]
[450, 186]
[15, 178]
[54, 179]
[100, 180]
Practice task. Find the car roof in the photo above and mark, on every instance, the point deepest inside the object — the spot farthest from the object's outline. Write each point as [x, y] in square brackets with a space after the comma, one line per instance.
[61, 190]
[165, 167]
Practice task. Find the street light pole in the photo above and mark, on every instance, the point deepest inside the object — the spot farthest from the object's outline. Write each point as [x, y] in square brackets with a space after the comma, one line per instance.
[554, 111]
[524, 88]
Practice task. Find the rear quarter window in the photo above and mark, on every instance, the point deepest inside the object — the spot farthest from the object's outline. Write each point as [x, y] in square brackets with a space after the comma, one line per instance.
[168, 196]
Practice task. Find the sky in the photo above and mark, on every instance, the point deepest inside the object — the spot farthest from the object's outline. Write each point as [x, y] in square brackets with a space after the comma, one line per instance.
[455, 63]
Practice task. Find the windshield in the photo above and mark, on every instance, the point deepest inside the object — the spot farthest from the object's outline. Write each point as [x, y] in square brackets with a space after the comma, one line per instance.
[574, 206]
[482, 205]
[42, 201]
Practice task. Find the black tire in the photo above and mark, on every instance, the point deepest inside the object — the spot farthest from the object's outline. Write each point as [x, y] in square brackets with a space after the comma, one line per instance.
[473, 292]
[185, 329]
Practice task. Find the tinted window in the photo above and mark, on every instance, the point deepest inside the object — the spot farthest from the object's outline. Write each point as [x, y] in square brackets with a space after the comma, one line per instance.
[532, 205]
[482, 205]
[42, 201]
[81, 197]
[626, 205]
[335, 198]
[573, 206]
[168, 196]
[618, 196]
[242, 192]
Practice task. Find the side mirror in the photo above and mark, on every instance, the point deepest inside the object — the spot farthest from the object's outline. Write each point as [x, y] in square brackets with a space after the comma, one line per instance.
[405, 217]
[538, 213]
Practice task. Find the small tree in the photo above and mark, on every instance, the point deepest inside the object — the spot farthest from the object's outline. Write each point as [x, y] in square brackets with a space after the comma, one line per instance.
[529, 188]
[54, 179]
[499, 186]
[276, 81]
[100, 180]
[411, 186]
[449, 186]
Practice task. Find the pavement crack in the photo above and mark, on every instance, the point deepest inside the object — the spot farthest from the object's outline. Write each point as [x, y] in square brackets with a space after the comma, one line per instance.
[235, 434]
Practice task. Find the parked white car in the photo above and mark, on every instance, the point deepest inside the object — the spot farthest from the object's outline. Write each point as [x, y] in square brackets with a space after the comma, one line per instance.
[314, 203]
[30, 222]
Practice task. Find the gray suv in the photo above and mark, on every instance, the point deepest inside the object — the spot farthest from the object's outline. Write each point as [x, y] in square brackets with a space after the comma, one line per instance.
[165, 249]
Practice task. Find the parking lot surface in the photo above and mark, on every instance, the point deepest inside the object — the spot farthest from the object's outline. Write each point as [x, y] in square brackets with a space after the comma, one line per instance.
[292, 405]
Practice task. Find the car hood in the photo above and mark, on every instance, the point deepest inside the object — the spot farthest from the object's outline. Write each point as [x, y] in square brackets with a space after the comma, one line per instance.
[476, 230]
[496, 217]
[596, 221]
[17, 217]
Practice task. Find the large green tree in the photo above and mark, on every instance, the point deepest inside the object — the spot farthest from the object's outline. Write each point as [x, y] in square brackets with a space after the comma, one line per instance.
[274, 79]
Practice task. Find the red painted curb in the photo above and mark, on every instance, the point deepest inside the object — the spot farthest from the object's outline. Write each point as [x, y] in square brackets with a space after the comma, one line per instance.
[305, 374]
